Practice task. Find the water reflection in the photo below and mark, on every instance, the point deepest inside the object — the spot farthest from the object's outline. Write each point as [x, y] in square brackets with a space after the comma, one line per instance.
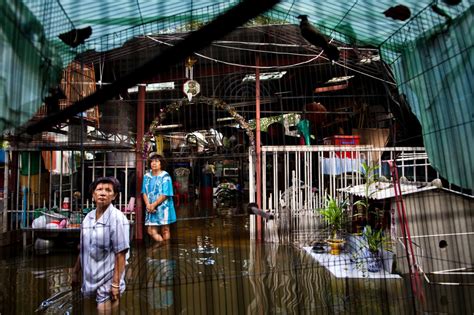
[62, 302]
[211, 268]
[161, 271]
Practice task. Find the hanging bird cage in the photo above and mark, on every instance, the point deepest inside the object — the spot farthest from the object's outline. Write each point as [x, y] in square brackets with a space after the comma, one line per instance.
[78, 81]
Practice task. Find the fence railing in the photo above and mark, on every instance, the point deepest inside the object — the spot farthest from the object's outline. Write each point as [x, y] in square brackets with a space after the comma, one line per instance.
[295, 179]
[58, 180]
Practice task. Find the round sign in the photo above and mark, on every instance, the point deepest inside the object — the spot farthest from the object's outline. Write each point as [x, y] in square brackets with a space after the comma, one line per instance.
[191, 87]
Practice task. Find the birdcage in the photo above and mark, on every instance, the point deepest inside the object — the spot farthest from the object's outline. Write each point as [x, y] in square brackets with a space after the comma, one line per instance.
[78, 81]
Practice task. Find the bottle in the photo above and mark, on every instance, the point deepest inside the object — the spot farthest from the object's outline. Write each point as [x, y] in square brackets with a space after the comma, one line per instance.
[65, 206]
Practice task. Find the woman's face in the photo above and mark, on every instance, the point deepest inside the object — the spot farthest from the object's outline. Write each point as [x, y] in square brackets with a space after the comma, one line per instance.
[104, 194]
[155, 165]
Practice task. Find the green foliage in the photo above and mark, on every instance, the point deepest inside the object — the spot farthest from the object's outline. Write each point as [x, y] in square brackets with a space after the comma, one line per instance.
[190, 26]
[376, 240]
[334, 214]
[265, 20]
[290, 118]
[370, 177]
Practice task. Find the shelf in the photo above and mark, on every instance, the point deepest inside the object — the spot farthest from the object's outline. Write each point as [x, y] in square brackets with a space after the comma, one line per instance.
[112, 166]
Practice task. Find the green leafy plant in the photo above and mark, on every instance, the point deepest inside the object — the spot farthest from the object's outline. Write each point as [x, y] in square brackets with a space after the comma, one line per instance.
[370, 178]
[334, 214]
[376, 240]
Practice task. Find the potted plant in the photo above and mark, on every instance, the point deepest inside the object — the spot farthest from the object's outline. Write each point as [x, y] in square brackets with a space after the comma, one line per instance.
[362, 205]
[375, 243]
[334, 214]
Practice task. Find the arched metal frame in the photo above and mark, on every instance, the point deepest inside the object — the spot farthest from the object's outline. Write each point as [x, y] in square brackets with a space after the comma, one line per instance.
[176, 105]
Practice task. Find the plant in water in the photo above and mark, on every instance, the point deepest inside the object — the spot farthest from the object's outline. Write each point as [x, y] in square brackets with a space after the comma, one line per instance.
[334, 215]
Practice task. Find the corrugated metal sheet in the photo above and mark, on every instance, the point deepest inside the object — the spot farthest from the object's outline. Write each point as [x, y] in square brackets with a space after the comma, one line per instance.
[385, 190]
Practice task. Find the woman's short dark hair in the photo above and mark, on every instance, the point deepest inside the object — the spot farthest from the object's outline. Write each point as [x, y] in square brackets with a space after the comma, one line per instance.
[109, 179]
[156, 156]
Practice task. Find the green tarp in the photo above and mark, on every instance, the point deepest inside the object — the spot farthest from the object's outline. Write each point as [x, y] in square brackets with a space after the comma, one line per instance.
[28, 66]
[433, 69]
[436, 73]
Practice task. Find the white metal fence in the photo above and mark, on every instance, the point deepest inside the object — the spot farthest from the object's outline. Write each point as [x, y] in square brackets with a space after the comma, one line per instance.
[37, 181]
[295, 180]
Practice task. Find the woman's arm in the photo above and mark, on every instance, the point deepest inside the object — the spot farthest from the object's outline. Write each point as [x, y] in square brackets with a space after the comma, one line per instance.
[159, 200]
[144, 193]
[165, 191]
[119, 268]
[147, 202]
[151, 207]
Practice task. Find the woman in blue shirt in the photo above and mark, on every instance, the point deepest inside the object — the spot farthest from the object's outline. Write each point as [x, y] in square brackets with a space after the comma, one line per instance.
[157, 190]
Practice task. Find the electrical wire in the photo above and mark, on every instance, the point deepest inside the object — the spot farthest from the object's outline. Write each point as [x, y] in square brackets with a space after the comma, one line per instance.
[242, 65]
[275, 67]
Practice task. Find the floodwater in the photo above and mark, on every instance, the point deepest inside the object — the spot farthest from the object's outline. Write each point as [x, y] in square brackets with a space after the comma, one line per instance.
[209, 267]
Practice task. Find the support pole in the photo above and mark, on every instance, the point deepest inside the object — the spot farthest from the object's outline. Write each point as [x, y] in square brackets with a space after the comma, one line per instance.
[139, 159]
[6, 192]
[258, 151]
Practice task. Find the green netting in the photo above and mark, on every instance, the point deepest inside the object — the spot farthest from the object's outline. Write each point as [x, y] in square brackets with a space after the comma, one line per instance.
[28, 67]
[421, 51]
[361, 21]
[181, 22]
[436, 73]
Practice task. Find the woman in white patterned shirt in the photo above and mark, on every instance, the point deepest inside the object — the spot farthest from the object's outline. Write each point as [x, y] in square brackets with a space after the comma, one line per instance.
[104, 248]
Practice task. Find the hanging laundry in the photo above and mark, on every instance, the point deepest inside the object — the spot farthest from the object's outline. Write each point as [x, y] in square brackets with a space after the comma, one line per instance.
[30, 163]
[68, 163]
[59, 162]
[49, 159]
[37, 189]
[55, 166]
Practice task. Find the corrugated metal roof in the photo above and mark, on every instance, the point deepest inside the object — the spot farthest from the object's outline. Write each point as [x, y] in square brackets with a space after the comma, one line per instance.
[384, 190]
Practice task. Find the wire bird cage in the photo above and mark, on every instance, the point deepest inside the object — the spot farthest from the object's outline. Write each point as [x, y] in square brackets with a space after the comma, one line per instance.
[386, 96]
[78, 81]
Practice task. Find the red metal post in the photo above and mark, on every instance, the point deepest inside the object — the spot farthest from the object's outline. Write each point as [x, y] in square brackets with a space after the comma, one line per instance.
[139, 159]
[415, 281]
[258, 168]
